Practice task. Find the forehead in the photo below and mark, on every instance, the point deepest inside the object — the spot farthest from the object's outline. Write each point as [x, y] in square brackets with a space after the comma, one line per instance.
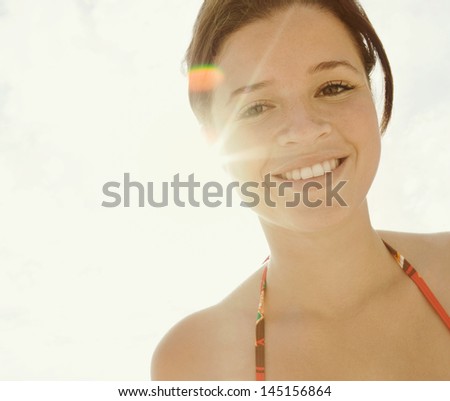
[284, 46]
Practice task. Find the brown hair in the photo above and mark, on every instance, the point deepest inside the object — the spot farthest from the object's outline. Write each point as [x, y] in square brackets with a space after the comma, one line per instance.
[218, 19]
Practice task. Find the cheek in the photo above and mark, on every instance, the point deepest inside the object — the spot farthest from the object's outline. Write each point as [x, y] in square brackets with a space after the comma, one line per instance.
[358, 122]
[365, 128]
[358, 113]
[366, 136]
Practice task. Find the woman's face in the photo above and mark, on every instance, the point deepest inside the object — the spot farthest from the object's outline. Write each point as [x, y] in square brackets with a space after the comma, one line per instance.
[294, 102]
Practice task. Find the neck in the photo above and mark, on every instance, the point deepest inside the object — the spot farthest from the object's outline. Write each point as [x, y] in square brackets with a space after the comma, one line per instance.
[330, 271]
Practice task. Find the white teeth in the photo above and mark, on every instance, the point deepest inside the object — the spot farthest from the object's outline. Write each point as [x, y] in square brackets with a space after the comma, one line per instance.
[307, 173]
[317, 170]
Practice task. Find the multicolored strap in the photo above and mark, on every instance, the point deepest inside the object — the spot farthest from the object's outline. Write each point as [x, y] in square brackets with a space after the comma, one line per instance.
[260, 337]
[404, 265]
[419, 281]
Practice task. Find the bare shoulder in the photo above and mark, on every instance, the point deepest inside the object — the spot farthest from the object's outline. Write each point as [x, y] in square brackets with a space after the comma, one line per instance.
[213, 344]
[430, 256]
[184, 351]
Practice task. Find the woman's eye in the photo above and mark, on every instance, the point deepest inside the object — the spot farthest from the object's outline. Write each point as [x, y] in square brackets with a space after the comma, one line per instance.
[254, 110]
[335, 88]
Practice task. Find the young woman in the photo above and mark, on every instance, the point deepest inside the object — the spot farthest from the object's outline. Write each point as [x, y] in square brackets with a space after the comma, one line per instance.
[293, 107]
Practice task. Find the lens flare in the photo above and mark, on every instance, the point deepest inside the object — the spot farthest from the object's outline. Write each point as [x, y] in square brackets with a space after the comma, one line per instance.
[204, 78]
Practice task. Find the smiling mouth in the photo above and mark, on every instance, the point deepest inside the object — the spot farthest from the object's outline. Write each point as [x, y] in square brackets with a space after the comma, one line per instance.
[317, 170]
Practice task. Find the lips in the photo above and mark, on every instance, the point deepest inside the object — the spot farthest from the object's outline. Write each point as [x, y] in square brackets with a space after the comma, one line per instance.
[315, 170]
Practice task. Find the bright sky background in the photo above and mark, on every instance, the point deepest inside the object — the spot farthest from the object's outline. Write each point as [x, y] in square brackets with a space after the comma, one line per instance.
[91, 89]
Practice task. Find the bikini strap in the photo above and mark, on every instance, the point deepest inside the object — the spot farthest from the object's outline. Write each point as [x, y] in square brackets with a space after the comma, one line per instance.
[420, 283]
[260, 336]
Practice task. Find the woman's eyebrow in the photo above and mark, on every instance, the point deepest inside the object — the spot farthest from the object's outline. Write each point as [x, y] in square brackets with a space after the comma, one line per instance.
[329, 65]
[248, 89]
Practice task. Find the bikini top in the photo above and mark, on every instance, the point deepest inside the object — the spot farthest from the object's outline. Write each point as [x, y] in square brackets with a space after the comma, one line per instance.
[404, 265]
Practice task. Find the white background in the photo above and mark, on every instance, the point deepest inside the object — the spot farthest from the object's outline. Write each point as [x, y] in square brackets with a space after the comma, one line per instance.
[90, 89]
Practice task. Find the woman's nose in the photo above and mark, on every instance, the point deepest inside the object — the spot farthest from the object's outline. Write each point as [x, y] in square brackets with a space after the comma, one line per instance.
[303, 125]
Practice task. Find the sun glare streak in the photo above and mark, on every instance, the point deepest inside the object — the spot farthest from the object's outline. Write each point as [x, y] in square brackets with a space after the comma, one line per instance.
[270, 46]
[205, 78]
